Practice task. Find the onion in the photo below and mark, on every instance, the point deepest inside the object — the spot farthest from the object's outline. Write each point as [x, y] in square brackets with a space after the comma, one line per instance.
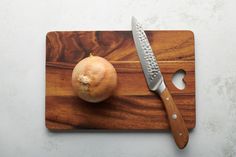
[94, 79]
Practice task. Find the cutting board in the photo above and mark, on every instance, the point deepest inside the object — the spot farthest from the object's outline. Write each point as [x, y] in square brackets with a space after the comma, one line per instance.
[133, 106]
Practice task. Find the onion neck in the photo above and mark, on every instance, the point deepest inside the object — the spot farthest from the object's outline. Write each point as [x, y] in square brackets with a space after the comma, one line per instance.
[84, 79]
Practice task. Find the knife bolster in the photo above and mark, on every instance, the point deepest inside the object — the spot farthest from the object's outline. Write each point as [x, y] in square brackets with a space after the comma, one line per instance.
[161, 88]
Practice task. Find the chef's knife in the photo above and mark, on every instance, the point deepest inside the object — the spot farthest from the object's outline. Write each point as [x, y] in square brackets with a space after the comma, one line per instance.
[156, 84]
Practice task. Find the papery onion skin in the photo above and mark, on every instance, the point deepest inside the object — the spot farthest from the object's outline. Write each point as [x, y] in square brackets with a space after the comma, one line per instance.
[94, 79]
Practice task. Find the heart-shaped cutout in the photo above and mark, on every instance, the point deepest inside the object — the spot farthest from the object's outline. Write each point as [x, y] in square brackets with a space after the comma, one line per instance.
[178, 79]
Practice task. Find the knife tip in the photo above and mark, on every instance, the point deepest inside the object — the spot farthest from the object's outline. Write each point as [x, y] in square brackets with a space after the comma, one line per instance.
[133, 21]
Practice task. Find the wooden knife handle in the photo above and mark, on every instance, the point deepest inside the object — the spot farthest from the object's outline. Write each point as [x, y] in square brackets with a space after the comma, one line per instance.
[177, 124]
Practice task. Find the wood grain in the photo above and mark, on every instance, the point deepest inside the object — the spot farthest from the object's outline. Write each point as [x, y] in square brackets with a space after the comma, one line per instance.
[132, 106]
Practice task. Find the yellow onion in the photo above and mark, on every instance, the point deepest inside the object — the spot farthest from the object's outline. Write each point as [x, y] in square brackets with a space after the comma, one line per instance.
[94, 79]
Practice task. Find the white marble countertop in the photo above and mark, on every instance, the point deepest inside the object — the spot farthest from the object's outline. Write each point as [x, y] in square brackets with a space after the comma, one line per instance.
[23, 26]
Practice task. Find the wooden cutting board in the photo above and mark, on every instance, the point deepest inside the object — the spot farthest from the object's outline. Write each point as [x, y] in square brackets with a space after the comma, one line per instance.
[133, 106]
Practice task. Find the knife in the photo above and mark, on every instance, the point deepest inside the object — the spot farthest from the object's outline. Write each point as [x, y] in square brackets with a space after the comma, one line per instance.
[156, 84]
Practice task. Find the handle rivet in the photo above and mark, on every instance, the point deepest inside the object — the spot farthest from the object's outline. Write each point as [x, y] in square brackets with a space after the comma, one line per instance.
[167, 98]
[180, 134]
[174, 116]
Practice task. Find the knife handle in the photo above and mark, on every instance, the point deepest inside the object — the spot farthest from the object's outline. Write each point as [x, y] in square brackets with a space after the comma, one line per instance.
[177, 124]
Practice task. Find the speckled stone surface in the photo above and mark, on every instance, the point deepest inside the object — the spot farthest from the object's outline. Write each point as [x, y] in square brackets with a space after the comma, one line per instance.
[24, 25]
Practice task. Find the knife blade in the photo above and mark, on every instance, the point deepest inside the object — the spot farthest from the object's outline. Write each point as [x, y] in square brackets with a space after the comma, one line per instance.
[155, 82]
[149, 64]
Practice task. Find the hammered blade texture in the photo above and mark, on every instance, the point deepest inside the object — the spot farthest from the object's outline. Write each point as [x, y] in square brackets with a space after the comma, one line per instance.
[150, 60]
